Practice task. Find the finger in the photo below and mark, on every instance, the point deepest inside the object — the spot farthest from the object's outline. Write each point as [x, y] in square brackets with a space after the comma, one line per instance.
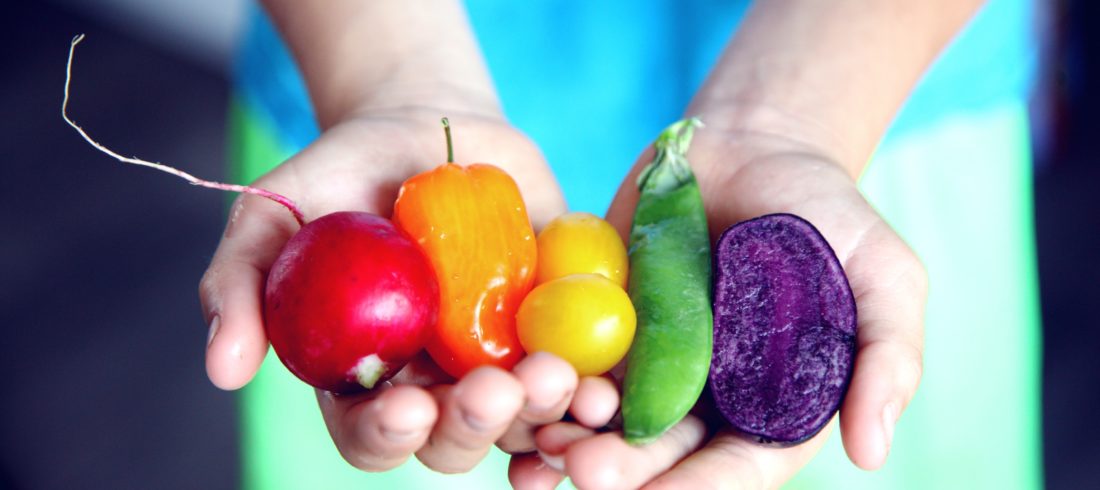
[889, 348]
[380, 430]
[549, 382]
[553, 440]
[529, 472]
[731, 461]
[232, 286]
[474, 413]
[606, 461]
[596, 401]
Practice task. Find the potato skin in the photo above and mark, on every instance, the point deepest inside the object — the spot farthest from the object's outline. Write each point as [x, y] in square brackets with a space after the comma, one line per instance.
[784, 329]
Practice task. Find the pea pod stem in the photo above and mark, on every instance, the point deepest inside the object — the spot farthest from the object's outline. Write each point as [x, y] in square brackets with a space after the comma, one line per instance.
[671, 146]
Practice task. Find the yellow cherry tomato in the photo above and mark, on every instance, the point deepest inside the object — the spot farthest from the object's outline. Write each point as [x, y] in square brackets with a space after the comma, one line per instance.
[583, 318]
[576, 243]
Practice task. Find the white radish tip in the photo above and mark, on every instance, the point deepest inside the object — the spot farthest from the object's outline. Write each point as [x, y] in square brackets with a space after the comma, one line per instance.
[368, 370]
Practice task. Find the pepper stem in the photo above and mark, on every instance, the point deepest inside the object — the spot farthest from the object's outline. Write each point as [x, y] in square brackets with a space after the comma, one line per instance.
[450, 147]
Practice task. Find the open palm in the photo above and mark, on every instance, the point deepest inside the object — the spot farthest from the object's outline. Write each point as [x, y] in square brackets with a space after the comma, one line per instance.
[744, 176]
[359, 165]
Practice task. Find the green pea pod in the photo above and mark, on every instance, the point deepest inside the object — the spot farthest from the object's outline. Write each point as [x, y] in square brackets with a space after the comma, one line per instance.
[670, 286]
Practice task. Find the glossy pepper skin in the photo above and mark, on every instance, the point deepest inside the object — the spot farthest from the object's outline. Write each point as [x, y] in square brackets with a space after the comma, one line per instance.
[473, 225]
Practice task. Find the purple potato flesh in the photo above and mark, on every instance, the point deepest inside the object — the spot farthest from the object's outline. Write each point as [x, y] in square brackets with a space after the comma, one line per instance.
[784, 329]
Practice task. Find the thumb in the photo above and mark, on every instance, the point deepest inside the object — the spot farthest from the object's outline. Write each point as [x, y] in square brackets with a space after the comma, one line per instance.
[231, 290]
[891, 287]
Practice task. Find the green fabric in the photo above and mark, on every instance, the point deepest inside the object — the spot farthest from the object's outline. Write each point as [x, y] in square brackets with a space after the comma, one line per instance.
[253, 145]
[958, 191]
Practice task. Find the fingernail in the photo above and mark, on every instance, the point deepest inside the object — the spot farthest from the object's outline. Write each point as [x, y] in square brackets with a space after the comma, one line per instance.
[215, 324]
[533, 406]
[477, 423]
[554, 461]
[400, 436]
[889, 419]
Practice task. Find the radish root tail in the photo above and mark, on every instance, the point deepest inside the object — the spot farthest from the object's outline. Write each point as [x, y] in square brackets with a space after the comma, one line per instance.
[282, 200]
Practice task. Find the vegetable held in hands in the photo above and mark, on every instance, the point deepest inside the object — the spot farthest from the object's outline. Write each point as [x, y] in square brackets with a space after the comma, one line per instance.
[785, 327]
[670, 286]
[472, 224]
[579, 310]
[581, 243]
[349, 301]
[585, 319]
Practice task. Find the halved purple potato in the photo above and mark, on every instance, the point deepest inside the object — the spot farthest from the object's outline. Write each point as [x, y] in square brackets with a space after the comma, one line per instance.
[784, 329]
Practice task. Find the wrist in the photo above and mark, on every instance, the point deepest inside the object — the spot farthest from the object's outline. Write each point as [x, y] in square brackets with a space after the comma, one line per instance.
[379, 56]
[436, 97]
[750, 132]
[827, 74]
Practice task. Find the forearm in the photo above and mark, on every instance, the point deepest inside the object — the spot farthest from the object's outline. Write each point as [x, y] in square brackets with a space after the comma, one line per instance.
[830, 74]
[381, 55]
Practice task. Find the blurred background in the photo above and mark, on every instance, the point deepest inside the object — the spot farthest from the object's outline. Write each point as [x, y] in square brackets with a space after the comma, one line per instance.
[103, 380]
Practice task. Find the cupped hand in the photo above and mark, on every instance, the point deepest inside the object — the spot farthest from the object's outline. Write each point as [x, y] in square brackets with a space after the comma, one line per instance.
[743, 175]
[359, 165]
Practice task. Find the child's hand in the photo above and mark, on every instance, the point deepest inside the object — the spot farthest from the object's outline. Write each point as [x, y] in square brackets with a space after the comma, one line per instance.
[744, 175]
[359, 165]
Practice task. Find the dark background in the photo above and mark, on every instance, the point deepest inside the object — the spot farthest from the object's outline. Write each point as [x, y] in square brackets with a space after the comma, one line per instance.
[103, 380]
[103, 383]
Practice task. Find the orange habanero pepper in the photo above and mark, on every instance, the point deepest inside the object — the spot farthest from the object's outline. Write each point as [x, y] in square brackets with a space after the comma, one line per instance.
[472, 224]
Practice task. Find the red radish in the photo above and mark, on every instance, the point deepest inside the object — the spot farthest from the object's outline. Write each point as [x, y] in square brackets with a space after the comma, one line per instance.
[350, 299]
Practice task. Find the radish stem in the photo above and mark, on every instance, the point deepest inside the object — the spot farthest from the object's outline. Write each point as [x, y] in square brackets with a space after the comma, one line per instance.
[282, 200]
